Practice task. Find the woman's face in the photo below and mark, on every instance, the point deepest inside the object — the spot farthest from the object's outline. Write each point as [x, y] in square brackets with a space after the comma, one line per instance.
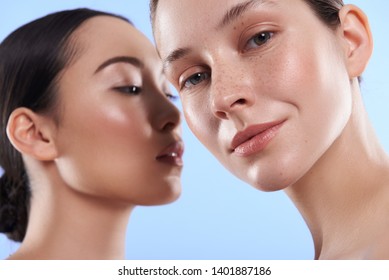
[264, 84]
[118, 135]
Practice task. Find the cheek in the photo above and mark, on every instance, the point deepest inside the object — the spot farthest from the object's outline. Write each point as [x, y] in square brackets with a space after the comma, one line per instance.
[312, 89]
[120, 121]
[203, 124]
[111, 125]
[326, 98]
[101, 145]
[311, 79]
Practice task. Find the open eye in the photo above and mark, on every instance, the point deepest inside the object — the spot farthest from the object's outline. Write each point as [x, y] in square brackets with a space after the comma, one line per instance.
[195, 79]
[258, 40]
[132, 90]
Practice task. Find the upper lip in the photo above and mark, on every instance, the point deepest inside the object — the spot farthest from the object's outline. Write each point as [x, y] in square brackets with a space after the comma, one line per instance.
[174, 149]
[250, 132]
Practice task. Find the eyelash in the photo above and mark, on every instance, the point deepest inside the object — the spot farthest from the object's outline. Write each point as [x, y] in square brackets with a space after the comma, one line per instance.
[132, 90]
[265, 35]
[202, 76]
[135, 90]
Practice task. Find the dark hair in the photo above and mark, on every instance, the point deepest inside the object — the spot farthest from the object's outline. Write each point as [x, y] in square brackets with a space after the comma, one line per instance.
[31, 60]
[326, 10]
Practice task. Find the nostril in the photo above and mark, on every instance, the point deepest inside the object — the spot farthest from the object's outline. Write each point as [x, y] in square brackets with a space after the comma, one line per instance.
[221, 115]
[169, 126]
[240, 101]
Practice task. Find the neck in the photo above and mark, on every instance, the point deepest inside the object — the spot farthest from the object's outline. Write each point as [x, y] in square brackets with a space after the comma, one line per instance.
[344, 198]
[67, 224]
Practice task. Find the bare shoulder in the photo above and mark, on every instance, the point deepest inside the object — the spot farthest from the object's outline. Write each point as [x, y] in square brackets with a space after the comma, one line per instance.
[380, 251]
[380, 247]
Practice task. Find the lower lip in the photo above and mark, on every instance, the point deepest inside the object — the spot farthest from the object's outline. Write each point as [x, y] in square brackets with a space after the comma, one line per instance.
[257, 143]
[177, 161]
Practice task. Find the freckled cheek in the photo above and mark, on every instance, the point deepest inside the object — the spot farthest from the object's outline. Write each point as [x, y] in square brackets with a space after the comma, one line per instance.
[305, 80]
[282, 75]
[285, 73]
[301, 79]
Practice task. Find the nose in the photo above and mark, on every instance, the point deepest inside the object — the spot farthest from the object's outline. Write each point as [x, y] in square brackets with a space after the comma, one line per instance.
[168, 117]
[230, 91]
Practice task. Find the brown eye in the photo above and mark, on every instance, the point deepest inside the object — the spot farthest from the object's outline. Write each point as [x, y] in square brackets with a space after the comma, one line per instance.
[258, 40]
[261, 38]
[132, 90]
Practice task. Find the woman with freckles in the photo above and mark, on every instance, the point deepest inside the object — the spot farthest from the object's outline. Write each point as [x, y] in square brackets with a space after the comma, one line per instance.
[271, 88]
[85, 120]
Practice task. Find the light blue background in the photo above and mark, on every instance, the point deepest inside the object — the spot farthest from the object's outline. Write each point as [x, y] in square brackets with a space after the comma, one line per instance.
[218, 216]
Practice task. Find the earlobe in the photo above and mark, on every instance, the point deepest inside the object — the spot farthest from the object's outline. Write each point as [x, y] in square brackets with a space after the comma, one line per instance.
[359, 42]
[30, 134]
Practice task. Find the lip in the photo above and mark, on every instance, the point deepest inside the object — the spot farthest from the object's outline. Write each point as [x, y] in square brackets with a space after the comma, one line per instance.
[172, 154]
[254, 138]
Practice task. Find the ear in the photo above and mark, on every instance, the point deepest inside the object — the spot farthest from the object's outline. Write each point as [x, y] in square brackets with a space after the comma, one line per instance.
[32, 134]
[358, 38]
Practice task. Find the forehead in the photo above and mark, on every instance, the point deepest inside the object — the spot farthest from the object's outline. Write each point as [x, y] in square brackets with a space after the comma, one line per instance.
[102, 37]
[204, 16]
[204, 8]
[195, 23]
[204, 11]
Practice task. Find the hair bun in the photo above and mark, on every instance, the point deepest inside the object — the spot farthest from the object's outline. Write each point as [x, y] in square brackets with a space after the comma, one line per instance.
[7, 210]
[13, 208]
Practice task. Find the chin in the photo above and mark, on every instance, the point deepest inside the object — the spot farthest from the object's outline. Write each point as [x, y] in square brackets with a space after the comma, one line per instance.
[167, 194]
[269, 180]
[272, 186]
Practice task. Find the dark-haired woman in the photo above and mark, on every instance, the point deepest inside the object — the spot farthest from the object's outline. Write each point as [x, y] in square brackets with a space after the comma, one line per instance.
[87, 133]
[271, 88]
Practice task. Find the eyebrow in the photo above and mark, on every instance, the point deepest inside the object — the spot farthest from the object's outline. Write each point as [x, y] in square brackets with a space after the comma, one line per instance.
[175, 55]
[120, 59]
[238, 10]
[230, 16]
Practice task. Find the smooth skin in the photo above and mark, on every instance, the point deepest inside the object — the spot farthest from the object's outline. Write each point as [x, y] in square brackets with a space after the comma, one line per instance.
[100, 154]
[250, 63]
